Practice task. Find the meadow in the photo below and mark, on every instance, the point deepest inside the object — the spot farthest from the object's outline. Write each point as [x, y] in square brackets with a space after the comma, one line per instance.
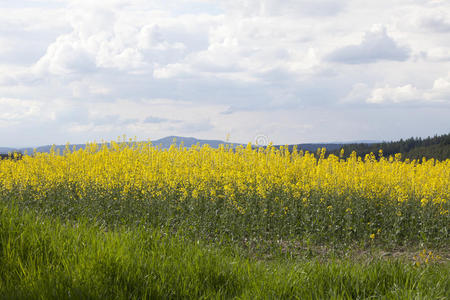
[135, 221]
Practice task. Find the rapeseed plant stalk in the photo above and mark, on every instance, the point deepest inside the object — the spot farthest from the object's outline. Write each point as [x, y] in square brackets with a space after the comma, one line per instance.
[248, 191]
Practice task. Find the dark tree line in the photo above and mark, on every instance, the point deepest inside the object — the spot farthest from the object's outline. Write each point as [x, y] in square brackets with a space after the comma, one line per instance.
[437, 147]
[17, 155]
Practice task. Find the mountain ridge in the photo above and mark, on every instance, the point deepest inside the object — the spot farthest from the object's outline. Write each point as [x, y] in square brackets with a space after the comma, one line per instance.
[188, 142]
[167, 141]
[437, 147]
[164, 142]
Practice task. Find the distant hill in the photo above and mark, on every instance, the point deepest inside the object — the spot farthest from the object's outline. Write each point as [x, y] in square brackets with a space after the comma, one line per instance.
[437, 147]
[164, 143]
[6, 150]
[188, 142]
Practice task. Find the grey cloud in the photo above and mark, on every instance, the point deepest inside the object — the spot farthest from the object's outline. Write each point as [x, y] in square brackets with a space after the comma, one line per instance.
[376, 46]
[439, 23]
[157, 120]
[129, 121]
[272, 90]
[152, 119]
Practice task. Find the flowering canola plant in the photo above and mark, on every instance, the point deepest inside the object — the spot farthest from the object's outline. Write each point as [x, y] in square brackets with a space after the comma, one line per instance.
[259, 190]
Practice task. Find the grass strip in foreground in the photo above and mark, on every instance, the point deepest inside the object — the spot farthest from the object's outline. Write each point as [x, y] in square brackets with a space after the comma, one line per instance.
[43, 258]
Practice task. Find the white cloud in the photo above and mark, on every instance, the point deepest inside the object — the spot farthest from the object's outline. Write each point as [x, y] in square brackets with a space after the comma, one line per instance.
[396, 95]
[64, 57]
[438, 54]
[440, 90]
[246, 65]
[438, 93]
[116, 38]
[16, 110]
[375, 46]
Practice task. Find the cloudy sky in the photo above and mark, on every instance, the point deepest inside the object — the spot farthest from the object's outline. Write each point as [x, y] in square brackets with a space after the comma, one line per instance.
[293, 70]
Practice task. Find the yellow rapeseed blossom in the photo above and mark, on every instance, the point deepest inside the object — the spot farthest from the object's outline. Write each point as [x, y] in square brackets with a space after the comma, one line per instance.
[139, 170]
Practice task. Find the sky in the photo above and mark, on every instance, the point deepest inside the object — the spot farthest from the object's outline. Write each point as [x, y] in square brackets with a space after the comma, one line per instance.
[292, 71]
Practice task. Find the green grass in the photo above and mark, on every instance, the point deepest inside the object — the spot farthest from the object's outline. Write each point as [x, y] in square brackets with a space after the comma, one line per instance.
[44, 257]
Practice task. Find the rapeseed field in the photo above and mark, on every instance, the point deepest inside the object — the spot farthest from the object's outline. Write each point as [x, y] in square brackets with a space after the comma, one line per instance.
[129, 220]
[244, 192]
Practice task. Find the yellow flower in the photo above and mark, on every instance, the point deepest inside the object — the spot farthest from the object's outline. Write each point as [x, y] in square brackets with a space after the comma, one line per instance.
[268, 177]
[424, 201]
